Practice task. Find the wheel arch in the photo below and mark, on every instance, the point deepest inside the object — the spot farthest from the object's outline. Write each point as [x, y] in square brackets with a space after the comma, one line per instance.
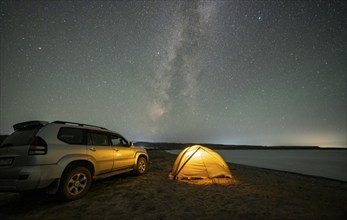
[75, 160]
[70, 185]
[68, 162]
[137, 156]
[81, 163]
[140, 154]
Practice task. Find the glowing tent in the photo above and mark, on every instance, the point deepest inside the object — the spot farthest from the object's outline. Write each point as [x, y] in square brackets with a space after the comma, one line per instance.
[200, 165]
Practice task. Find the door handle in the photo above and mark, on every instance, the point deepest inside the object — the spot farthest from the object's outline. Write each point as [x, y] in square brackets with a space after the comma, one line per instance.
[115, 149]
[92, 149]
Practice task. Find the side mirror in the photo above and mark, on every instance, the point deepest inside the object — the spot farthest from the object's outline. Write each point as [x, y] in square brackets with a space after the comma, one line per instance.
[131, 144]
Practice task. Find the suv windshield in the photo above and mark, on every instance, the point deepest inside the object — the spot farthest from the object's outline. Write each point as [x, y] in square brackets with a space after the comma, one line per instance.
[21, 137]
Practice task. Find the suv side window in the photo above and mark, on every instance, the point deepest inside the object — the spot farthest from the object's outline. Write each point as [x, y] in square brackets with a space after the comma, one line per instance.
[118, 141]
[71, 136]
[97, 139]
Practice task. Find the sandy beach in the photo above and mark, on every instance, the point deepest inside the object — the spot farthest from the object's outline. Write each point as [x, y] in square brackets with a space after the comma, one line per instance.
[257, 194]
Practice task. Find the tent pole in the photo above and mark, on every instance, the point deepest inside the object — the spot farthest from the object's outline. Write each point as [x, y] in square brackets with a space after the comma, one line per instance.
[185, 163]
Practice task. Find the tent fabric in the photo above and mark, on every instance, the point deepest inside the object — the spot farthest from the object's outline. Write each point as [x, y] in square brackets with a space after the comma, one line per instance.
[200, 165]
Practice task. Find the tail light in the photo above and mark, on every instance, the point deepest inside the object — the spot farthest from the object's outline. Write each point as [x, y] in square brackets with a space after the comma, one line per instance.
[38, 146]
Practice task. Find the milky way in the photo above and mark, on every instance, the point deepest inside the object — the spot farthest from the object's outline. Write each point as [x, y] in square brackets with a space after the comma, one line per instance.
[232, 72]
[178, 73]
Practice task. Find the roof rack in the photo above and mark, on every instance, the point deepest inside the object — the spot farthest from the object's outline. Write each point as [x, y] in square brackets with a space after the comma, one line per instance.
[79, 124]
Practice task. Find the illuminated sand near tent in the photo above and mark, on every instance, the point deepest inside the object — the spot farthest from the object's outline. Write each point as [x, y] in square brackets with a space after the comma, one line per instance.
[257, 194]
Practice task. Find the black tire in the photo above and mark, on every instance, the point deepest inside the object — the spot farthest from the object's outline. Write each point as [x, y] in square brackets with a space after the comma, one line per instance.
[75, 183]
[141, 166]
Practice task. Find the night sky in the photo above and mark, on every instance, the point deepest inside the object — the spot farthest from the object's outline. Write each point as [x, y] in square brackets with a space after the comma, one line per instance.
[230, 72]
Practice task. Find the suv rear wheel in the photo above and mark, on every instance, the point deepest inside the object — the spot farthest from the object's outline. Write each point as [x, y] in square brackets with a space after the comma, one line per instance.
[141, 166]
[75, 183]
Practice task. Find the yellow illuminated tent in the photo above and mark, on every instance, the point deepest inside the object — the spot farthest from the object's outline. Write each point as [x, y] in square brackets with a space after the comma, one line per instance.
[200, 165]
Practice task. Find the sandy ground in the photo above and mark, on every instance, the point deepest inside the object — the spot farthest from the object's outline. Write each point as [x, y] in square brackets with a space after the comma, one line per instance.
[257, 194]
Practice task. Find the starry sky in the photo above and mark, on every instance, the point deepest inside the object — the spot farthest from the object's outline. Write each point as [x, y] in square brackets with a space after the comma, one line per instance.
[224, 72]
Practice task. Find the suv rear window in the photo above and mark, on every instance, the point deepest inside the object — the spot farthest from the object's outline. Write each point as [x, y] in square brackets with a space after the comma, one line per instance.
[71, 136]
[21, 137]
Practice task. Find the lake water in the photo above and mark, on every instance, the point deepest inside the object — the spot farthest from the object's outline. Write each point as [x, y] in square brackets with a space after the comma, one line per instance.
[324, 163]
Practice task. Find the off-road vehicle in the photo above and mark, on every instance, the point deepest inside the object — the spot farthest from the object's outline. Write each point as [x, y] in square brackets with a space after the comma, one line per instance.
[64, 157]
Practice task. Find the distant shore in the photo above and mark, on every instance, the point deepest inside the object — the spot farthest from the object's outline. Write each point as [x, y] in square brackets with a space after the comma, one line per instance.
[178, 146]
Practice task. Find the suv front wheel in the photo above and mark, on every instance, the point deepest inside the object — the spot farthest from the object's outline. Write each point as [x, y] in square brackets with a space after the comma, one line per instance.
[141, 166]
[75, 183]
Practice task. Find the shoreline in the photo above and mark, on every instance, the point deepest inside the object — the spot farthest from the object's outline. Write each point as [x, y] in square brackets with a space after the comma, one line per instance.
[331, 164]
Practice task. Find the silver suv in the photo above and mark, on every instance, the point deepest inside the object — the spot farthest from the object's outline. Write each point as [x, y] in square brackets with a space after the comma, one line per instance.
[63, 157]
